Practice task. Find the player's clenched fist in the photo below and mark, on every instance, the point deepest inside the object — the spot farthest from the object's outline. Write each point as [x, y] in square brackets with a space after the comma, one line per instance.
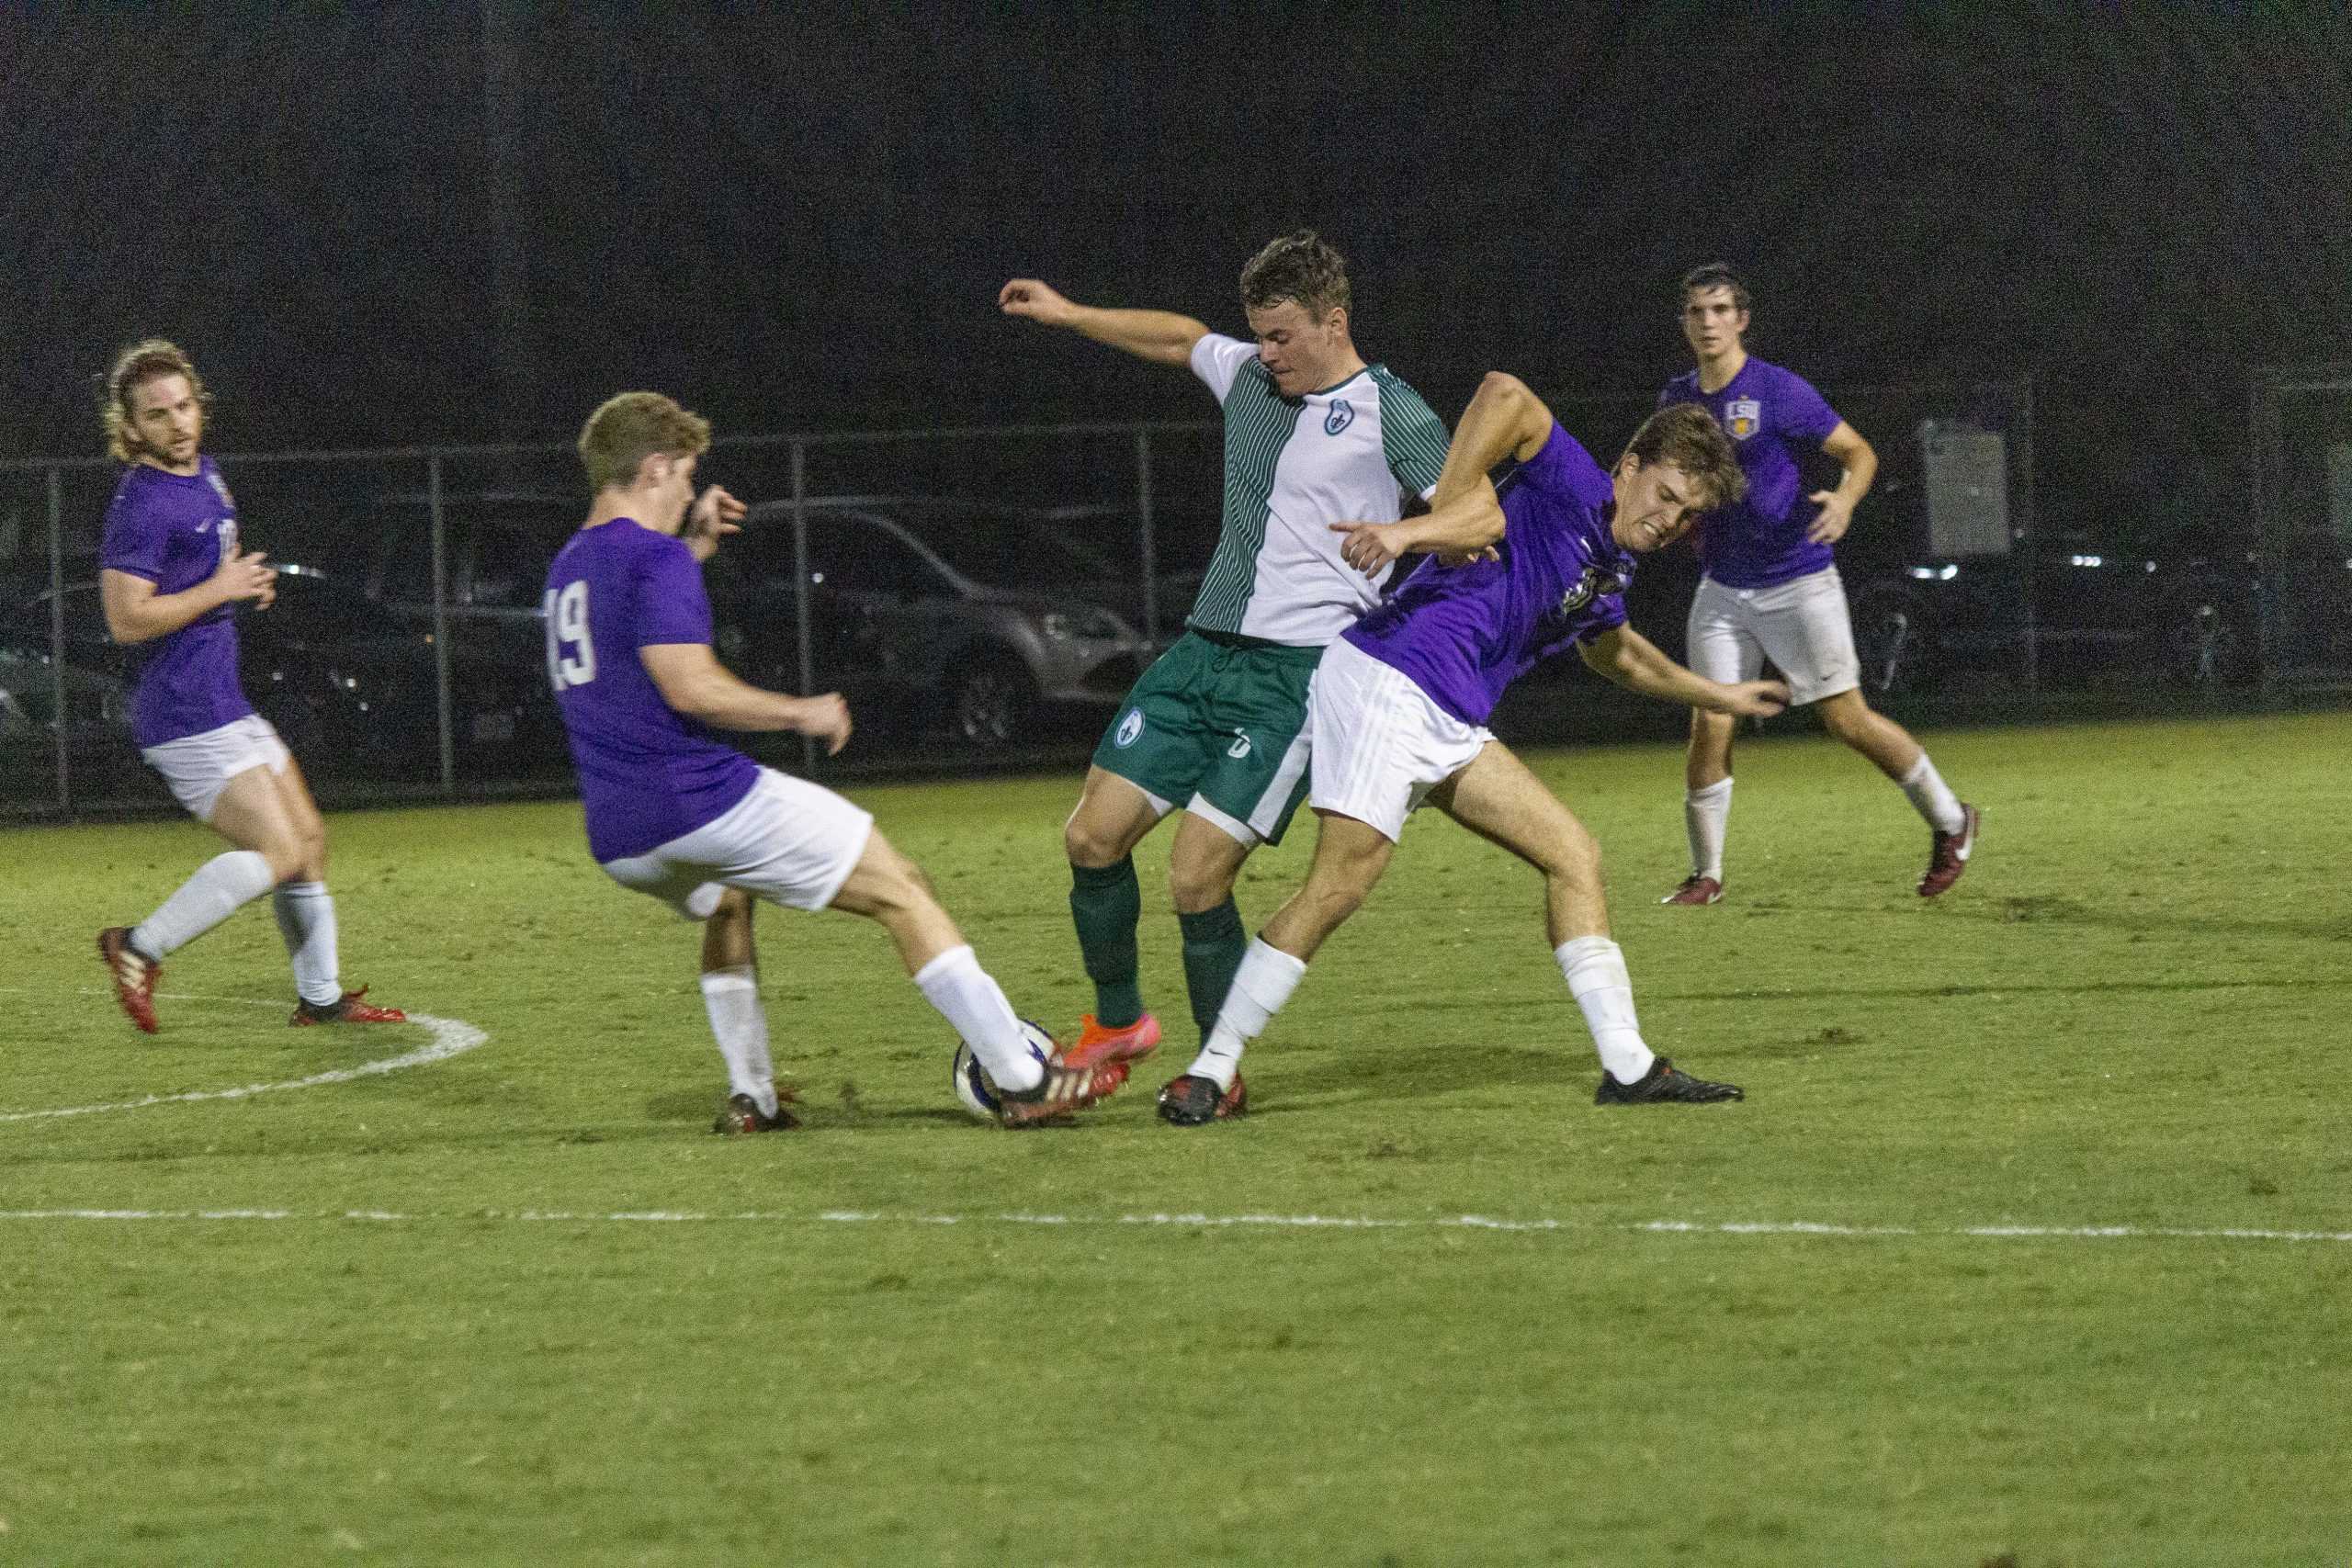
[825, 718]
[1038, 301]
[248, 576]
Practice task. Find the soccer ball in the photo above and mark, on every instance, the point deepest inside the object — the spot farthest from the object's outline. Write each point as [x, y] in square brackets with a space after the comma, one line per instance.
[974, 1089]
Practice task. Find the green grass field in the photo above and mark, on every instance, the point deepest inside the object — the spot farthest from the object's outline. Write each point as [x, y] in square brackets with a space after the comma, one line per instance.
[519, 1306]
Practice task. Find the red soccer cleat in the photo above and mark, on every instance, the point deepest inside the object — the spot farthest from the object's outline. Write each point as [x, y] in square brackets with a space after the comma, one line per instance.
[1097, 1045]
[349, 1010]
[741, 1115]
[134, 976]
[1063, 1089]
[1695, 889]
[1948, 857]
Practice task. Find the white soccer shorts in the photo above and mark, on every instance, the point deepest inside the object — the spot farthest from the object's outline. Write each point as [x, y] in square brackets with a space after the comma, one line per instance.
[198, 767]
[1801, 625]
[789, 841]
[1380, 744]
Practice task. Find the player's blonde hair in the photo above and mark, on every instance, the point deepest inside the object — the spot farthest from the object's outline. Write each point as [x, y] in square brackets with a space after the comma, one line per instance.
[1302, 266]
[628, 429]
[1686, 436]
[146, 360]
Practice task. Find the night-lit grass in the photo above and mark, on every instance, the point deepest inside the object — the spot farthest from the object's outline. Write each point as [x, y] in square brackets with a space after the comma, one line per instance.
[2131, 1013]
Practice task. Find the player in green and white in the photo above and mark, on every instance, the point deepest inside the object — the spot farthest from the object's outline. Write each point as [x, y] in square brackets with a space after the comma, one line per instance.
[1216, 727]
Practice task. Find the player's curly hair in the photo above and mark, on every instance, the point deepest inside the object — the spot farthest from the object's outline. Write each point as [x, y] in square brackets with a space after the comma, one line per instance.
[142, 362]
[1687, 436]
[1715, 275]
[628, 429]
[1302, 266]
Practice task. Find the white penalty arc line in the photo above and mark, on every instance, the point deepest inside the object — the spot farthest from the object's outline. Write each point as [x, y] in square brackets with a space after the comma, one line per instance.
[1198, 1221]
[451, 1037]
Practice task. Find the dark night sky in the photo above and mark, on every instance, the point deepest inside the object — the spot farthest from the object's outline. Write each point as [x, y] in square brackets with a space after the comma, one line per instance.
[800, 219]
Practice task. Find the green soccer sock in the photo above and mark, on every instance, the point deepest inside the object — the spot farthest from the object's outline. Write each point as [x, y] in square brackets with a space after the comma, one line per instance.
[1104, 904]
[1214, 945]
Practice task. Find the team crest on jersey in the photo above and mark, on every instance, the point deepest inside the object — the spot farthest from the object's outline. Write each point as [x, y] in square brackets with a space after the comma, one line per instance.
[1129, 728]
[1742, 416]
[1593, 584]
[1342, 414]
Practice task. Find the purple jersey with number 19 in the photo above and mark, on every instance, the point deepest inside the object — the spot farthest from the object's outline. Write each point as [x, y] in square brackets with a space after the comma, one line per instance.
[647, 773]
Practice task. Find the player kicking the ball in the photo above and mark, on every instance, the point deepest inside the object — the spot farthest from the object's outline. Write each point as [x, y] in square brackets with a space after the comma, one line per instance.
[170, 579]
[676, 813]
[1313, 436]
[1401, 703]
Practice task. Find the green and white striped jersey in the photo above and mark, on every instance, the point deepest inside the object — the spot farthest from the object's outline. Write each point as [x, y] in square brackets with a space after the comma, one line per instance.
[1348, 454]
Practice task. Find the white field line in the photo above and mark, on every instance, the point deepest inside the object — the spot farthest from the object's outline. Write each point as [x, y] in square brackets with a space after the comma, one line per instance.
[1195, 1221]
[451, 1037]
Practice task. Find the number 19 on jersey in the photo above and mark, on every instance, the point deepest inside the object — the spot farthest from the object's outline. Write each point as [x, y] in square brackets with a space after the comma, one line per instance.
[571, 657]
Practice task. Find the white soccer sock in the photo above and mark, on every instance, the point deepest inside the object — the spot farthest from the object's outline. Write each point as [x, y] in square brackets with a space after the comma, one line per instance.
[739, 1023]
[1704, 814]
[306, 920]
[974, 1004]
[1263, 983]
[1931, 797]
[1594, 967]
[220, 886]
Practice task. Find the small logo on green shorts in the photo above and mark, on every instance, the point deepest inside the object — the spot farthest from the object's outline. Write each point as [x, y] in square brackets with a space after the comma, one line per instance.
[1129, 728]
[1241, 747]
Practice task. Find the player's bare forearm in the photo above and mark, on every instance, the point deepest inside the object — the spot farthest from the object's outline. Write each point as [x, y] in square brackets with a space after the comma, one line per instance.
[135, 613]
[1163, 337]
[1504, 420]
[1468, 523]
[1632, 661]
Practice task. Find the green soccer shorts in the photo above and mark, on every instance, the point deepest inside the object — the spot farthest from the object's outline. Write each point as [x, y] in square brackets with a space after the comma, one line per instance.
[1219, 726]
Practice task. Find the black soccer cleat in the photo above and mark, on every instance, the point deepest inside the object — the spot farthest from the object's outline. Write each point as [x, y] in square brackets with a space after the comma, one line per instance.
[1664, 1084]
[1191, 1102]
[742, 1114]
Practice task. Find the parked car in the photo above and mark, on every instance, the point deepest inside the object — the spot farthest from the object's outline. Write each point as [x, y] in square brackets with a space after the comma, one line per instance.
[968, 618]
[349, 687]
[978, 616]
[2185, 620]
[94, 722]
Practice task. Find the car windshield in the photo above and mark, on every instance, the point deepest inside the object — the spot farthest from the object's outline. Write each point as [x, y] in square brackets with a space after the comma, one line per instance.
[311, 605]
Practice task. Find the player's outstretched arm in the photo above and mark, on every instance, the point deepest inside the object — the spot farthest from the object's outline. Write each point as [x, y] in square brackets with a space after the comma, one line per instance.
[1163, 337]
[1462, 527]
[692, 682]
[1626, 657]
[1505, 419]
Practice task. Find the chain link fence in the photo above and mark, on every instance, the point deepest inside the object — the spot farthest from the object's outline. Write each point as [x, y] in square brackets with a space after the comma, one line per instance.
[984, 595]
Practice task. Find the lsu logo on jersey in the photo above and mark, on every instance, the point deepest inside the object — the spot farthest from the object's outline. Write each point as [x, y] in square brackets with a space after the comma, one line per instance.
[1743, 417]
[1593, 584]
[1342, 414]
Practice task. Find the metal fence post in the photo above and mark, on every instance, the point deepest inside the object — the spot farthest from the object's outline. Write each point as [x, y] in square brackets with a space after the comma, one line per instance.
[1148, 549]
[801, 591]
[2027, 528]
[441, 624]
[2263, 442]
[57, 637]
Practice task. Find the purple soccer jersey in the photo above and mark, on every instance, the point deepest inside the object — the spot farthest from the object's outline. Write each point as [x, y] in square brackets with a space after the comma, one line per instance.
[175, 530]
[1775, 419]
[647, 773]
[1463, 633]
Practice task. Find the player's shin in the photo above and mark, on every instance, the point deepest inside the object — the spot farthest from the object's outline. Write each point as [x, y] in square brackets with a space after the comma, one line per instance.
[1214, 945]
[1104, 904]
[305, 913]
[1260, 986]
[1594, 967]
[740, 1024]
[971, 1001]
[220, 886]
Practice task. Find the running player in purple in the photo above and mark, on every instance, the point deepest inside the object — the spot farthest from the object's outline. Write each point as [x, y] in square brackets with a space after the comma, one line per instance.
[674, 812]
[171, 576]
[1769, 588]
[1398, 708]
